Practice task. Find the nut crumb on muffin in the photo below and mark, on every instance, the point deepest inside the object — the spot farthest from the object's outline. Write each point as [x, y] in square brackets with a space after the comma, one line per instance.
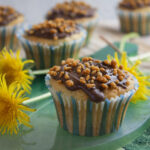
[107, 76]
[71, 10]
[7, 15]
[54, 29]
[134, 4]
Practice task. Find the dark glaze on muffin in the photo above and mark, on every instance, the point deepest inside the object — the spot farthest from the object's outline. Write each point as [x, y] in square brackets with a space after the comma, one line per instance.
[7, 15]
[71, 10]
[55, 29]
[90, 75]
[134, 4]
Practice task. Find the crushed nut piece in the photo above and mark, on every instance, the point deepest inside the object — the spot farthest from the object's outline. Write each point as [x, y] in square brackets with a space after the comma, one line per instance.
[82, 80]
[114, 63]
[69, 83]
[104, 86]
[86, 71]
[90, 85]
[113, 85]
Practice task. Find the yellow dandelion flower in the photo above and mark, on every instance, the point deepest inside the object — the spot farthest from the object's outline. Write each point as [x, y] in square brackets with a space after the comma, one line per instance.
[13, 67]
[143, 91]
[12, 111]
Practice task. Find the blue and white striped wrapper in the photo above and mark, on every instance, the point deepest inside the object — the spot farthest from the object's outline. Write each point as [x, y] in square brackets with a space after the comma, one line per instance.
[8, 38]
[89, 26]
[46, 56]
[86, 118]
[131, 21]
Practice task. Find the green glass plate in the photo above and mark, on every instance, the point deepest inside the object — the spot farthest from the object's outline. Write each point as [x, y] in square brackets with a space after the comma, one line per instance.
[47, 135]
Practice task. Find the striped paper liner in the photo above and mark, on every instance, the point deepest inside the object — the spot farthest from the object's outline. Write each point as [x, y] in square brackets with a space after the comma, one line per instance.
[89, 26]
[8, 38]
[46, 56]
[86, 118]
[135, 22]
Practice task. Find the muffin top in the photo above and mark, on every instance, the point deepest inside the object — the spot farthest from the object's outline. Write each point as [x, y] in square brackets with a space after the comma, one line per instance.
[54, 29]
[134, 4]
[7, 15]
[94, 77]
[71, 10]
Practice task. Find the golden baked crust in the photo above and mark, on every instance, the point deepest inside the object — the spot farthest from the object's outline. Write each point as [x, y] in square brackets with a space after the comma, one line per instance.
[91, 78]
[54, 42]
[9, 16]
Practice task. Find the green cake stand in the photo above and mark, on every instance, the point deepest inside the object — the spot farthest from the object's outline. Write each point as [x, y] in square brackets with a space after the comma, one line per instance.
[46, 133]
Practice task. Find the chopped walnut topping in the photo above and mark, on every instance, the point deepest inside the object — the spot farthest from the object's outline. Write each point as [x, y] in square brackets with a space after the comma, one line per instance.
[82, 80]
[69, 83]
[99, 74]
[61, 74]
[53, 29]
[121, 67]
[66, 76]
[87, 77]
[120, 77]
[113, 85]
[106, 62]
[115, 72]
[95, 68]
[89, 74]
[86, 71]
[113, 63]
[90, 85]
[107, 77]
[79, 69]
[53, 73]
[87, 59]
[104, 86]
[127, 83]
[71, 10]
[117, 81]
[67, 68]
[102, 79]
[102, 70]
[94, 72]
[87, 64]
[7, 15]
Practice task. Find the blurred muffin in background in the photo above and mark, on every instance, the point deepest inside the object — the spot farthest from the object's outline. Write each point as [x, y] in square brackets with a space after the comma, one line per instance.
[78, 11]
[134, 16]
[10, 19]
[50, 42]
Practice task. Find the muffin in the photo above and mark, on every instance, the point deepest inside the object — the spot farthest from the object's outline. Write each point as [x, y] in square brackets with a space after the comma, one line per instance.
[91, 96]
[50, 42]
[10, 19]
[78, 11]
[134, 16]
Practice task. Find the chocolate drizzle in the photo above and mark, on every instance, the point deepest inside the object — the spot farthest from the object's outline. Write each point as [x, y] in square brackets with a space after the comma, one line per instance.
[56, 29]
[7, 15]
[71, 10]
[134, 4]
[92, 79]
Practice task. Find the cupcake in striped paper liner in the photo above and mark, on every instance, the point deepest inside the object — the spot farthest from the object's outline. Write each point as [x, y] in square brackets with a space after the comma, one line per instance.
[78, 11]
[135, 16]
[91, 96]
[51, 42]
[10, 20]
